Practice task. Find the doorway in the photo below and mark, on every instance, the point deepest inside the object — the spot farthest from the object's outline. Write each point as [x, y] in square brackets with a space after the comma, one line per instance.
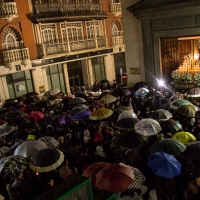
[74, 81]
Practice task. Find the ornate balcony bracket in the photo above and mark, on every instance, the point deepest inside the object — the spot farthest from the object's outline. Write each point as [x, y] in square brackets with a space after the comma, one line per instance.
[8, 11]
[116, 9]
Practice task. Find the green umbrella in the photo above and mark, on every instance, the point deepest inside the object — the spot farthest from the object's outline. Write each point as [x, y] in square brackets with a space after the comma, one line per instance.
[178, 103]
[170, 146]
[188, 110]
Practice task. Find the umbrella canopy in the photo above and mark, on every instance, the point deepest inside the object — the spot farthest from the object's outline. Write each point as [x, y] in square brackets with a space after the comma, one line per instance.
[50, 142]
[29, 148]
[6, 131]
[194, 92]
[97, 103]
[45, 121]
[30, 94]
[161, 114]
[77, 100]
[188, 110]
[127, 114]
[103, 94]
[115, 177]
[163, 103]
[3, 151]
[147, 127]
[193, 151]
[64, 119]
[115, 115]
[108, 98]
[170, 146]
[50, 92]
[13, 114]
[126, 123]
[170, 126]
[31, 100]
[3, 124]
[121, 92]
[164, 165]
[13, 163]
[180, 102]
[35, 116]
[104, 81]
[19, 121]
[124, 108]
[184, 137]
[81, 107]
[100, 114]
[139, 85]
[129, 139]
[46, 160]
[81, 115]
[141, 92]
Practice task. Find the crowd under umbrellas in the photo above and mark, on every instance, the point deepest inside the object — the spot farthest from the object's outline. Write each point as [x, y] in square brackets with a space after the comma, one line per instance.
[125, 140]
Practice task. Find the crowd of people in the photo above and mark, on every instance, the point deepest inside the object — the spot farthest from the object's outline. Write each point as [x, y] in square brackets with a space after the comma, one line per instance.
[84, 142]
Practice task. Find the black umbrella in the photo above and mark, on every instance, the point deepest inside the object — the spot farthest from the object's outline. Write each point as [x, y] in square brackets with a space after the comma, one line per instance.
[52, 98]
[115, 115]
[126, 123]
[129, 139]
[31, 100]
[33, 107]
[46, 120]
[139, 85]
[10, 104]
[44, 104]
[163, 103]
[6, 131]
[30, 94]
[104, 81]
[121, 92]
[19, 121]
[170, 126]
[13, 114]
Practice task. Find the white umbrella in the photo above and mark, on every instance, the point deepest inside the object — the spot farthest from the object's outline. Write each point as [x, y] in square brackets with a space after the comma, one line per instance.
[126, 114]
[50, 92]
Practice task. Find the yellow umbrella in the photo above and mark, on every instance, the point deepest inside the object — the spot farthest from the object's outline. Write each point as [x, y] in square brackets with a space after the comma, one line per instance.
[125, 108]
[100, 114]
[188, 110]
[184, 137]
[108, 98]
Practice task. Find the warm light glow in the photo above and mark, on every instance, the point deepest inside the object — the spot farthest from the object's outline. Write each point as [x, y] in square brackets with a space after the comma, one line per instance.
[196, 57]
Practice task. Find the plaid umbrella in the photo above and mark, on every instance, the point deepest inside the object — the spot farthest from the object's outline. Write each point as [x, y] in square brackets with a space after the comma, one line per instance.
[188, 110]
[77, 100]
[180, 102]
[194, 92]
[161, 114]
[126, 123]
[108, 98]
[35, 116]
[193, 151]
[81, 115]
[4, 151]
[13, 163]
[51, 142]
[100, 114]
[3, 124]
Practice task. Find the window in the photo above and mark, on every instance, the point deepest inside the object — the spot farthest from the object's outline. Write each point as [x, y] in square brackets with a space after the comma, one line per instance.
[116, 29]
[19, 83]
[55, 77]
[91, 31]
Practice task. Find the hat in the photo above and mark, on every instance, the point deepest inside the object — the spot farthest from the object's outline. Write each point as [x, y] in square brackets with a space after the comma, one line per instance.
[99, 151]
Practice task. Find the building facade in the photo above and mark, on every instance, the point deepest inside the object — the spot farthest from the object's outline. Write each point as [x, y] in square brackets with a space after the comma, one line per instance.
[59, 44]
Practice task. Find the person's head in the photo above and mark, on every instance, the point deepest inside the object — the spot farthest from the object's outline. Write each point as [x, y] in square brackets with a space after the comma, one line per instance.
[50, 182]
[65, 172]
[19, 174]
[197, 179]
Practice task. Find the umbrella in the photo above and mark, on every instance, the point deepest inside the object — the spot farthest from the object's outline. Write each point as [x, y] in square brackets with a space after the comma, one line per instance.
[19, 121]
[108, 98]
[9, 104]
[180, 102]
[121, 92]
[141, 92]
[126, 123]
[139, 179]
[4, 151]
[169, 146]
[170, 126]
[164, 165]
[3, 124]
[115, 177]
[129, 139]
[45, 121]
[30, 94]
[35, 116]
[51, 142]
[31, 100]
[77, 100]
[139, 85]
[100, 114]
[184, 137]
[103, 94]
[80, 106]
[52, 98]
[124, 108]
[115, 115]
[193, 151]
[6, 131]
[104, 81]
[161, 114]
[44, 104]
[50, 92]
[81, 115]
[188, 110]
[46, 160]
[13, 163]
[194, 92]
[163, 103]
[13, 114]
[64, 119]
[127, 114]
[93, 169]
[147, 127]
[97, 103]
[29, 148]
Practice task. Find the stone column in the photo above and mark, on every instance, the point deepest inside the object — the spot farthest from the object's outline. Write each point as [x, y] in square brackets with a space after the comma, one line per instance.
[66, 78]
[85, 71]
[109, 67]
[4, 94]
[90, 72]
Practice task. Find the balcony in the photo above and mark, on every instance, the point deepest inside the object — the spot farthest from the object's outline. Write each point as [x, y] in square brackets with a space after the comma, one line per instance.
[8, 11]
[71, 47]
[118, 40]
[14, 57]
[116, 9]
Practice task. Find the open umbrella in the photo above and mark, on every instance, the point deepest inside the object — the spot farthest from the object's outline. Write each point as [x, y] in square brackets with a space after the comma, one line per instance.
[81, 107]
[170, 146]
[193, 151]
[6, 131]
[147, 127]
[170, 126]
[103, 94]
[81, 115]
[50, 92]
[29, 148]
[115, 177]
[45, 121]
[121, 92]
[188, 110]
[35, 116]
[51, 142]
[13, 114]
[124, 108]
[108, 98]
[31, 100]
[77, 100]
[164, 165]
[127, 114]
[184, 137]
[180, 102]
[161, 114]
[46, 160]
[3, 151]
[13, 163]
[97, 103]
[64, 119]
[104, 81]
[139, 85]
[19, 121]
[194, 92]
[141, 92]
[126, 123]
[3, 124]
[129, 139]
[100, 114]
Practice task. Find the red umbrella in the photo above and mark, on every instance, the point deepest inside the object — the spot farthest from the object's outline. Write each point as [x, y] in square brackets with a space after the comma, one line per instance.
[93, 169]
[115, 177]
[35, 116]
[3, 124]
